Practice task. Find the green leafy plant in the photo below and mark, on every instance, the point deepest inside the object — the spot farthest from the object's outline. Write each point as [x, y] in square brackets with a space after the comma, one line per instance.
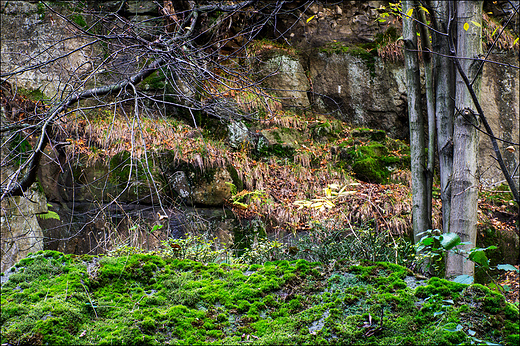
[195, 248]
[41, 10]
[325, 243]
[266, 250]
[471, 335]
[433, 247]
[155, 228]
[49, 215]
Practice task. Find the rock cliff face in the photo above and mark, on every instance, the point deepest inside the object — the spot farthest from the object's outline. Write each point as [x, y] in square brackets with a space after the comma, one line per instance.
[285, 78]
[19, 227]
[20, 230]
[29, 29]
[374, 95]
[333, 71]
[500, 97]
[365, 96]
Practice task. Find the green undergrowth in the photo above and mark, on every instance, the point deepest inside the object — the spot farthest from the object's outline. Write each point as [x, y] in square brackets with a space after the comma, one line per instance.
[33, 95]
[51, 298]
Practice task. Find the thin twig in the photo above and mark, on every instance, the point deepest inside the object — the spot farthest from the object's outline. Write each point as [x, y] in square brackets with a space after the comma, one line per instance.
[90, 300]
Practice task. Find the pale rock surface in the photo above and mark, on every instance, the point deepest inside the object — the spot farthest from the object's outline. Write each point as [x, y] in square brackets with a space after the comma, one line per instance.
[215, 192]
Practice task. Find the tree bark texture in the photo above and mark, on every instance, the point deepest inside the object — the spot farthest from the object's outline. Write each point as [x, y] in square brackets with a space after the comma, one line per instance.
[430, 110]
[418, 157]
[443, 72]
[463, 220]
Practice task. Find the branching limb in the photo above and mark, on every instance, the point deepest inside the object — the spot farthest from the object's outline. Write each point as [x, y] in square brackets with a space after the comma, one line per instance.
[18, 188]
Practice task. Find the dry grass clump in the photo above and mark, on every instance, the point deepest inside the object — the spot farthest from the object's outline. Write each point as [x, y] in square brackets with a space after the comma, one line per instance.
[490, 31]
[388, 205]
[248, 96]
[286, 120]
[104, 137]
[282, 183]
[392, 51]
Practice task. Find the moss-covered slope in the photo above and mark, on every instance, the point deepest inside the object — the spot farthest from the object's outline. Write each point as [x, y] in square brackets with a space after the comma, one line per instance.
[51, 298]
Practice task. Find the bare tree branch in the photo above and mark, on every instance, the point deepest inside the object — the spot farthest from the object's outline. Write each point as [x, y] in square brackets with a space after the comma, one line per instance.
[484, 121]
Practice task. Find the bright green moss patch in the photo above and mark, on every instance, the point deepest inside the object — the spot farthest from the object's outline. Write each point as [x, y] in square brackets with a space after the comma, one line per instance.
[372, 156]
[51, 298]
[444, 288]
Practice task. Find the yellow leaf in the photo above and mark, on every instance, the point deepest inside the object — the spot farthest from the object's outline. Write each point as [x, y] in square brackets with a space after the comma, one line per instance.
[409, 13]
[347, 193]
[510, 148]
[466, 26]
[424, 9]
[310, 18]
[516, 40]
[317, 205]
[329, 204]
[477, 24]
[493, 34]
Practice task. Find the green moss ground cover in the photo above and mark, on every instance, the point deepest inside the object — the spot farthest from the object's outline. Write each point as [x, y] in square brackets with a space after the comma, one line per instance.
[51, 298]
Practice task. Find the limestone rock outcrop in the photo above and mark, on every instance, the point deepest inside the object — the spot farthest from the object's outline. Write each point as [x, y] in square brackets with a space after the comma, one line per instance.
[283, 75]
[20, 230]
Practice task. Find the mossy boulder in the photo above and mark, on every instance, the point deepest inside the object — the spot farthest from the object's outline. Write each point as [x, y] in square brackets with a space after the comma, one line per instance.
[152, 298]
[325, 131]
[372, 156]
[215, 191]
[130, 177]
[370, 170]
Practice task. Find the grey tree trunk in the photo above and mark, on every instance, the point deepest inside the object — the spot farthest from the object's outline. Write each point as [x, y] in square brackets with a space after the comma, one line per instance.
[443, 72]
[418, 157]
[463, 219]
[430, 110]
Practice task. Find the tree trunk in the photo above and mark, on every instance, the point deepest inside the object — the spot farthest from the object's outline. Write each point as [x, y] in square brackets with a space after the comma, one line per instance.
[430, 107]
[444, 93]
[418, 159]
[463, 220]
